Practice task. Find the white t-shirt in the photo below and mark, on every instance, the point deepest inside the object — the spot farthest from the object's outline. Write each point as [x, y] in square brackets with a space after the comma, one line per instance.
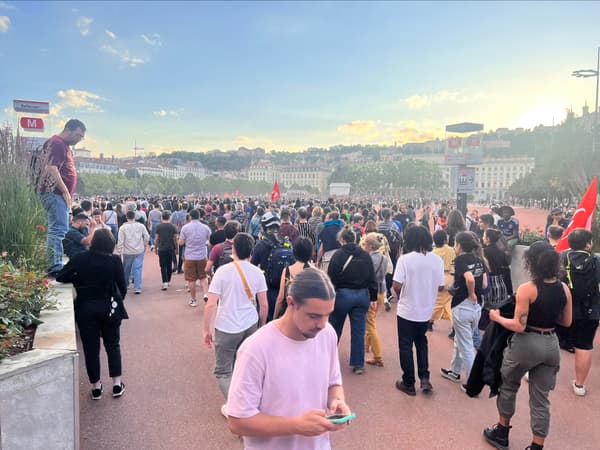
[236, 312]
[279, 376]
[420, 275]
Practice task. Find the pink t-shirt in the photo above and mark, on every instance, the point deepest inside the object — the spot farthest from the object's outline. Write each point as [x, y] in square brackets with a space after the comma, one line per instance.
[58, 154]
[279, 376]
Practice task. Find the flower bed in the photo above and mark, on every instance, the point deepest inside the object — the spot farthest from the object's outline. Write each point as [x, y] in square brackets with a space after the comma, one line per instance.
[23, 295]
[529, 236]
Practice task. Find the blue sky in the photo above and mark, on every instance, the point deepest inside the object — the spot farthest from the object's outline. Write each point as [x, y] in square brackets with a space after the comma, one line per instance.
[287, 76]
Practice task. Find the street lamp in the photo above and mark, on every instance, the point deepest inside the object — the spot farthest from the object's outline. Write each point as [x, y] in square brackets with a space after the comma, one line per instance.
[587, 73]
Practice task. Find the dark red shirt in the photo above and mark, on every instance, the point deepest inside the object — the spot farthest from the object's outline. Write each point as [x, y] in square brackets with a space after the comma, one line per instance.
[57, 153]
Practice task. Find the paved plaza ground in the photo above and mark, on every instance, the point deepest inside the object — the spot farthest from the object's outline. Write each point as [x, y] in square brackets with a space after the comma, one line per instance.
[172, 400]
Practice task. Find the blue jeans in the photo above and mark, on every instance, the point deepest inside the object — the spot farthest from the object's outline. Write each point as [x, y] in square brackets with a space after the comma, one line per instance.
[153, 232]
[465, 319]
[114, 230]
[135, 264]
[58, 225]
[355, 303]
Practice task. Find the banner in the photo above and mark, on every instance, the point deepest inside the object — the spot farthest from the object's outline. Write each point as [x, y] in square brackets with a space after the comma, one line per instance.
[275, 194]
[583, 216]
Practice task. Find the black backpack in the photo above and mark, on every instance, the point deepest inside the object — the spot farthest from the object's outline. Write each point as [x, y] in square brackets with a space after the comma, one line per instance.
[226, 256]
[280, 256]
[394, 239]
[580, 276]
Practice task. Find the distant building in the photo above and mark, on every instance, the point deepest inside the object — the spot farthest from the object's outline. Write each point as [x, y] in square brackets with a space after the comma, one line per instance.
[143, 166]
[299, 175]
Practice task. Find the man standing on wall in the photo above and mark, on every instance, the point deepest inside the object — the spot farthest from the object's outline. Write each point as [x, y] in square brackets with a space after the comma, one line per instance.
[56, 186]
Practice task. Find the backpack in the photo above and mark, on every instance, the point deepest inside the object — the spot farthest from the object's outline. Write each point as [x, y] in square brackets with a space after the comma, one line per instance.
[394, 239]
[280, 256]
[580, 276]
[225, 256]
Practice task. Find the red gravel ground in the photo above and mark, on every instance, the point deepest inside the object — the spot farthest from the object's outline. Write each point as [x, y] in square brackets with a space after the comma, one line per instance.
[172, 400]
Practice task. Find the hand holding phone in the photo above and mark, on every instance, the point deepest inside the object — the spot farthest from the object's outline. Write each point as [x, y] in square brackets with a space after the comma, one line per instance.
[341, 418]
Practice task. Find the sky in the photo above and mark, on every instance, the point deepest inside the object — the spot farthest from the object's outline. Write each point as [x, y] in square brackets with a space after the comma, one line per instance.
[199, 76]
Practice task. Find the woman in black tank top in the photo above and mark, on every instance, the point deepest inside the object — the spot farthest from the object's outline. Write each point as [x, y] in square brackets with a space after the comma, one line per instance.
[542, 303]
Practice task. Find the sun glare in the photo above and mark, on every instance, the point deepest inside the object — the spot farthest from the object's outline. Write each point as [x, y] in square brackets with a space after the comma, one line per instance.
[548, 114]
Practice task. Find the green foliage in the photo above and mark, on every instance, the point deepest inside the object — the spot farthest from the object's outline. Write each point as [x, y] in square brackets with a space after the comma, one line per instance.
[119, 184]
[23, 224]
[23, 295]
[407, 173]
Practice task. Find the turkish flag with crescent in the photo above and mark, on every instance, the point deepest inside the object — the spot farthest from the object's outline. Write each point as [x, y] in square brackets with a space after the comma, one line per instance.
[583, 217]
[275, 194]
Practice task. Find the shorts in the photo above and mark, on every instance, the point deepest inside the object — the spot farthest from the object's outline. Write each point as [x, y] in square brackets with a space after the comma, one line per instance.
[583, 332]
[194, 269]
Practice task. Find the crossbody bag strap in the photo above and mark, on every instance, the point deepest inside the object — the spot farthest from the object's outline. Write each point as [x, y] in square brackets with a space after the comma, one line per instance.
[347, 262]
[244, 282]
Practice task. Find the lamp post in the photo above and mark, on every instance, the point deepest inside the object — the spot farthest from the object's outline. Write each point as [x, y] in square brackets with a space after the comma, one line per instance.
[587, 73]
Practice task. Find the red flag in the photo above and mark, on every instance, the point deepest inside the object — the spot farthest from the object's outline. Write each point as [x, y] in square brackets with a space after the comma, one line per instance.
[583, 216]
[275, 194]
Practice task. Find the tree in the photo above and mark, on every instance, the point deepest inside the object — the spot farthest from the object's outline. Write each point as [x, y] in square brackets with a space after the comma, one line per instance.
[132, 173]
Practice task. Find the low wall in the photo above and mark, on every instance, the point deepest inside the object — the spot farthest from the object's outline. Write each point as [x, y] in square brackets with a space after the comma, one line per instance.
[39, 389]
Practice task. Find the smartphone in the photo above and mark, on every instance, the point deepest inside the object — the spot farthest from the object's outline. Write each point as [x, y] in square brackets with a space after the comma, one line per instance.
[341, 418]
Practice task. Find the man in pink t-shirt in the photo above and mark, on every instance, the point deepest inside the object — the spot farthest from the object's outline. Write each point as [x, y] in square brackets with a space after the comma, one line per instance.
[287, 375]
[57, 179]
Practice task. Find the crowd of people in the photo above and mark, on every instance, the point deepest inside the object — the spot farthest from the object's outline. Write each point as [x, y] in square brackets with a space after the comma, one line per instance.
[280, 278]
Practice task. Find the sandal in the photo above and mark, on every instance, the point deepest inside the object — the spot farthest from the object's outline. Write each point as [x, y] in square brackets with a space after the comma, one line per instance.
[375, 362]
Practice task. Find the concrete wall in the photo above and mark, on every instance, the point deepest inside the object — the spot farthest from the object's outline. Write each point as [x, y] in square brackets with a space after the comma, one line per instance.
[39, 389]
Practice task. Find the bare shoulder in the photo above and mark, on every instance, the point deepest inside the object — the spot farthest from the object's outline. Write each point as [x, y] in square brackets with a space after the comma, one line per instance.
[528, 289]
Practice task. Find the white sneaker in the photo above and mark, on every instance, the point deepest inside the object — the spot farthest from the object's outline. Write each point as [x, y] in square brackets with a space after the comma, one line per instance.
[193, 303]
[224, 410]
[165, 286]
[578, 390]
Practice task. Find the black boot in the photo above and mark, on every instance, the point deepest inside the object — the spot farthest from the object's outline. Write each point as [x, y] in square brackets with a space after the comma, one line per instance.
[497, 435]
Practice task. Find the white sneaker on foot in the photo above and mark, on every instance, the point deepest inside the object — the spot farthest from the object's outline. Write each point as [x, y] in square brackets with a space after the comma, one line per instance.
[224, 410]
[193, 303]
[577, 389]
[165, 286]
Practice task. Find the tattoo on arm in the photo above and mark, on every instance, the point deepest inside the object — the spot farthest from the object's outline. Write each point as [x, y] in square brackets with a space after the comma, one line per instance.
[523, 319]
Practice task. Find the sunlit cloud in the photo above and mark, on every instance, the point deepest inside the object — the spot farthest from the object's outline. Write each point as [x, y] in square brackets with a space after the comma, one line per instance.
[84, 25]
[110, 34]
[153, 39]
[4, 5]
[81, 100]
[243, 140]
[4, 24]
[124, 56]
[444, 96]
[165, 113]
[358, 127]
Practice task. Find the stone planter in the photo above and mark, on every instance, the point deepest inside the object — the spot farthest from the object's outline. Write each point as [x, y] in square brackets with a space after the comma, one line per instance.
[517, 267]
[39, 389]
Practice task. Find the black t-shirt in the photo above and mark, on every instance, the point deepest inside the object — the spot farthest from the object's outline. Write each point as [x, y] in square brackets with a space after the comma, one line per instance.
[166, 233]
[72, 242]
[218, 237]
[467, 262]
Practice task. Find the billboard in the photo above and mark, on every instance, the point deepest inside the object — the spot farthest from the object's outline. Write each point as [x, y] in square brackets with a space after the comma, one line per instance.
[29, 106]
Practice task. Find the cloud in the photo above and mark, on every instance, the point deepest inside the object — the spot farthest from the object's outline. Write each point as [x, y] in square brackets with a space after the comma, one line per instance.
[358, 127]
[243, 140]
[153, 40]
[110, 34]
[4, 5]
[84, 24]
[4, 24]
[81, 100]
[444, 96]
[165, 113]
[124, 56]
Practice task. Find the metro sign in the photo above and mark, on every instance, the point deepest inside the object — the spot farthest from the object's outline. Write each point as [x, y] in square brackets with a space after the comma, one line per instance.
[28, 106]
[32, 123]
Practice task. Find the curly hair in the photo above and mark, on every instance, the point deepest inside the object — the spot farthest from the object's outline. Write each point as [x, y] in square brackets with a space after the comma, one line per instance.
[541, 261]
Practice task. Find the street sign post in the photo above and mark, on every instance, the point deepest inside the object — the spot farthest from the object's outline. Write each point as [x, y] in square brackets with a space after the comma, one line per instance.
[32, 123]
[28, 106]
